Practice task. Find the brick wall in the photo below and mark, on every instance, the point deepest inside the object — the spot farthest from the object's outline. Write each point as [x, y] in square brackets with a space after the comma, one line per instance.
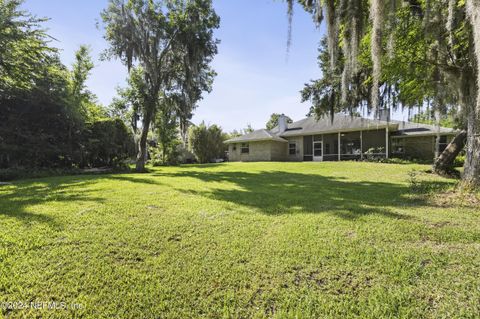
[259, 152]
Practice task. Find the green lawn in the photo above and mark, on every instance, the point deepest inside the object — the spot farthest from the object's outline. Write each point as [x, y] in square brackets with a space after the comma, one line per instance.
[282, 240]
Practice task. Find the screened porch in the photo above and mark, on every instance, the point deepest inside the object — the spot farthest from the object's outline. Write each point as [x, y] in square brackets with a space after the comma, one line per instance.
[344, 146]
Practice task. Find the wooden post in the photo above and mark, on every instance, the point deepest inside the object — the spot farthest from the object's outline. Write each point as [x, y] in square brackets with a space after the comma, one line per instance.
[339, 147]
[386, 142]
[361, 145]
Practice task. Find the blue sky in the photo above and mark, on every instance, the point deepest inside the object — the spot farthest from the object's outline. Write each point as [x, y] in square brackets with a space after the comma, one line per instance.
[254, 78]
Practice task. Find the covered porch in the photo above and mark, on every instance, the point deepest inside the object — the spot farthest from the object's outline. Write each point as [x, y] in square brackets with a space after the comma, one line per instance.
[347, 145]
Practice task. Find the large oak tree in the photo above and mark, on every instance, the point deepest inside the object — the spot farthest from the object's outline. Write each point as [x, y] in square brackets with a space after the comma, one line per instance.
[171, 40]
[403, 53]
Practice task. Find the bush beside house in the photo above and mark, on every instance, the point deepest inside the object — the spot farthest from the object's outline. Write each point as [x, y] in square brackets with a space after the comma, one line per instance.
[207, 142]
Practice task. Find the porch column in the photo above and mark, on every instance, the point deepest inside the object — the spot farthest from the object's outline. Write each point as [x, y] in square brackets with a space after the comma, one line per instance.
[386, 142]
[361, 145]
[323, 149]
[339, 147]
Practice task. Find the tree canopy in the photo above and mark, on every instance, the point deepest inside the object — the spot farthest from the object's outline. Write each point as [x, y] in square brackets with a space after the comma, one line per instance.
[48, 117]
[400, 54]
[173, 43]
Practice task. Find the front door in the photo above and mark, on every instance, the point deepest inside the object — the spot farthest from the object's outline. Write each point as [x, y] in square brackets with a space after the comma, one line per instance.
[318, 151]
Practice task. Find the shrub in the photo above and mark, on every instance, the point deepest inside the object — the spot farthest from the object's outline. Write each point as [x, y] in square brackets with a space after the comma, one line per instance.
[158, 158]
[107, 142]
[206, 142]
[184, 155]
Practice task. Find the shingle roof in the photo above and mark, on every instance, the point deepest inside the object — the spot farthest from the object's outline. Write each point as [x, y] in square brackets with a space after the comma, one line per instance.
[258, 135]
[341, 123]
[417, 129]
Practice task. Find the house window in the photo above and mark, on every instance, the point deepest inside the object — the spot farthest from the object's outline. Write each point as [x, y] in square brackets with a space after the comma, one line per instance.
[398, 146]
[292, 148]
[245, 148]
[234, 147]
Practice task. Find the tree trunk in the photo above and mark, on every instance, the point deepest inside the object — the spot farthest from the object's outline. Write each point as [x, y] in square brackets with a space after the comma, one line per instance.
[443, 164]
[471, 175]
[142, 147]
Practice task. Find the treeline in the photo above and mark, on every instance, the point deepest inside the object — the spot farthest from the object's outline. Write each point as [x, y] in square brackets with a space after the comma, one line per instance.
[48, 117]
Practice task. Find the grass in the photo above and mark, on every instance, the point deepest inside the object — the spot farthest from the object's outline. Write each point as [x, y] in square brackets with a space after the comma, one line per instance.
[239, 240]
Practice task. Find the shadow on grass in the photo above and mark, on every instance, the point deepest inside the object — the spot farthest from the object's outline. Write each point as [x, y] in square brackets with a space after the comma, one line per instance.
[18, 200]
[278, 192]
[271, 192]
[134, 178]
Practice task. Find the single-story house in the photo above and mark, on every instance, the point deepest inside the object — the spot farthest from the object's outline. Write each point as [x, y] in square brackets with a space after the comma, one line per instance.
[344, 138]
